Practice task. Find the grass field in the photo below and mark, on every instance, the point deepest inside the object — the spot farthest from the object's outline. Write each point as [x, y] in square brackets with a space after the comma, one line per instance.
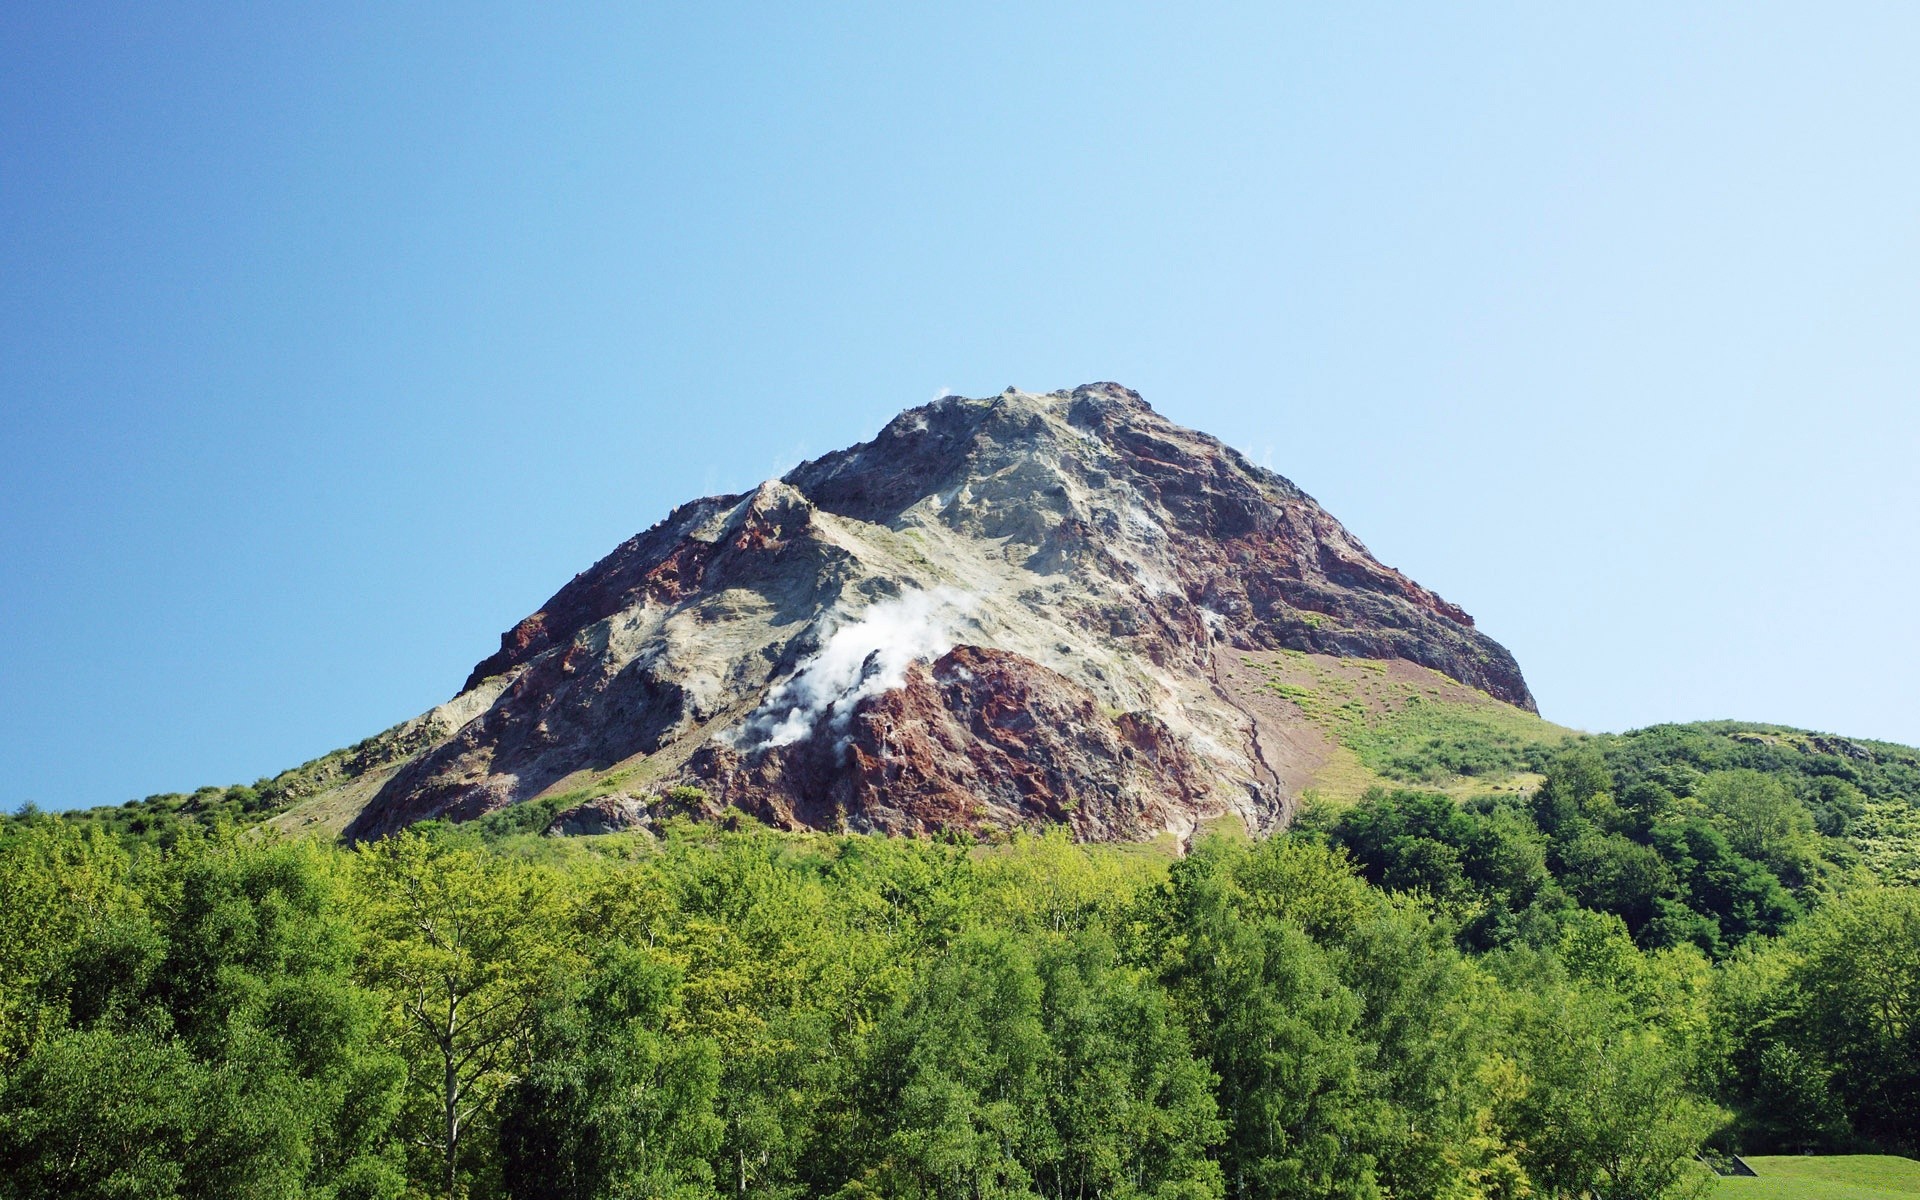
[1825, 1177]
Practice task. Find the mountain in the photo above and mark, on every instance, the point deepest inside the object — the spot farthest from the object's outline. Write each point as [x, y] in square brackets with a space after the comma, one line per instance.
[999, 612]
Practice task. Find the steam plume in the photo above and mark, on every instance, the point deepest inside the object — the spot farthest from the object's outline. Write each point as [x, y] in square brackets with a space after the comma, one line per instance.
[864, 658]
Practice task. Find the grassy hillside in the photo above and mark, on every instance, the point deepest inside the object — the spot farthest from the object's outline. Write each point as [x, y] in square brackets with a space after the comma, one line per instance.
[1391, 723]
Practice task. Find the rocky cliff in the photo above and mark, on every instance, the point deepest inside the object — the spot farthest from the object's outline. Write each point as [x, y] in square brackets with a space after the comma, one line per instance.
[997, 613]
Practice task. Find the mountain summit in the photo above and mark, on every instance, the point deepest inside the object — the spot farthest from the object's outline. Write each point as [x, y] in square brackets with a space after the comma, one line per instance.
[999, 612]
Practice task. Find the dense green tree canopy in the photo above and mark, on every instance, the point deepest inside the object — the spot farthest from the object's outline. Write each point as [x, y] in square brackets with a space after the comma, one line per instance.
[1683, 937]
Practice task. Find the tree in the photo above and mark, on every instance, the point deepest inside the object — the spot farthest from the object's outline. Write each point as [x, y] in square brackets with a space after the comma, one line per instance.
[1605, 1110]
[960, 1072]
[59, 887]
[783, 978]
[1578, 787]
[105, 1113]
[96, 1115]
[1047, 883]
[1427, 1025]
[1737, 896]
[462, 946]
[1275, 1022]
[1835, 805]
[1131, 1108]
[256, 979]
[1481, 864]
[1611, 873]
[614, 1103]
[1762, 820]
[1410, 842]
[1853, 979]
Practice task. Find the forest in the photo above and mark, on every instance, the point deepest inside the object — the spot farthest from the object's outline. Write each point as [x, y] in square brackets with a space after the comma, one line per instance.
[1684, 943]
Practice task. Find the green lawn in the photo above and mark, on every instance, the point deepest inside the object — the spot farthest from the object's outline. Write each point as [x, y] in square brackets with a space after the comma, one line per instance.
[1825, 1177]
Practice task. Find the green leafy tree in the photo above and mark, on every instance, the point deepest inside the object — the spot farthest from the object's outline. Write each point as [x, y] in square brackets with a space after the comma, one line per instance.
[223, 1011]
[1762, 819]
[1610, 872]
[1853, 980]
[1605, 1109]
[614, 1103]
[1835, 804]
[1735, 897]
[1578, 787]
[100, 1113]
[256, 978]
[462, 946]
[778, 975]
[1482, 865]
[94, 1114]
[1277, 1027]
[60, 887]
[1426, 1042]
[1046, 883]
[961, 1073]
[1132, 1110]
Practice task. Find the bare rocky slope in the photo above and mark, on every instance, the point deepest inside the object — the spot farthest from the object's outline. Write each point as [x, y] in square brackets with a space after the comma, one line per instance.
[998, 613]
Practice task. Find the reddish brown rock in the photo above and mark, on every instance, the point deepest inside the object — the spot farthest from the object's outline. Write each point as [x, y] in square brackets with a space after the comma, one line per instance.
[979, 739]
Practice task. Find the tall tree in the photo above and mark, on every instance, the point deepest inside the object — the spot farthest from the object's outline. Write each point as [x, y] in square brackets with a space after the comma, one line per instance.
[1762, 819]
[256, 978]
[462, 945]
[1605, 1108]
[615, 1102]
[60, 886]
[1131, 1107]
[1854, 979]
[1277, 1026]
[962, 1077]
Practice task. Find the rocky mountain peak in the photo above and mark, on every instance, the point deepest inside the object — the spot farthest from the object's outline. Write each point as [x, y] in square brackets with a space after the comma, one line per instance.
[999, 611]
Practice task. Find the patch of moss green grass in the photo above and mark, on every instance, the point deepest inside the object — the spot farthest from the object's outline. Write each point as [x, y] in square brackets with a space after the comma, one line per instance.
[1429, 741]
[1824, 1177]
[1427, 730]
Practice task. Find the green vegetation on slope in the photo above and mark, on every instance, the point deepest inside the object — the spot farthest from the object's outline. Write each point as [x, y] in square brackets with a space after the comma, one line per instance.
[1863, 793]
[1815, 995]
[1393, 722]
[1734, 858]
[162, 819]
[1398, 725]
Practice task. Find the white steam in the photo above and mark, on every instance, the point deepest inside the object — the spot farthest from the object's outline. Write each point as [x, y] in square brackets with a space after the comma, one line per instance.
[862, 659]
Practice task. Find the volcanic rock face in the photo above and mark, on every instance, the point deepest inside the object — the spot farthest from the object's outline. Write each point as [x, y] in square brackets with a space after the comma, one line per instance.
[997, 613]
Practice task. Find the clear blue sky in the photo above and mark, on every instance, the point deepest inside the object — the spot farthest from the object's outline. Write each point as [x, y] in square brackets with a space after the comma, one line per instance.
[331, 343]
